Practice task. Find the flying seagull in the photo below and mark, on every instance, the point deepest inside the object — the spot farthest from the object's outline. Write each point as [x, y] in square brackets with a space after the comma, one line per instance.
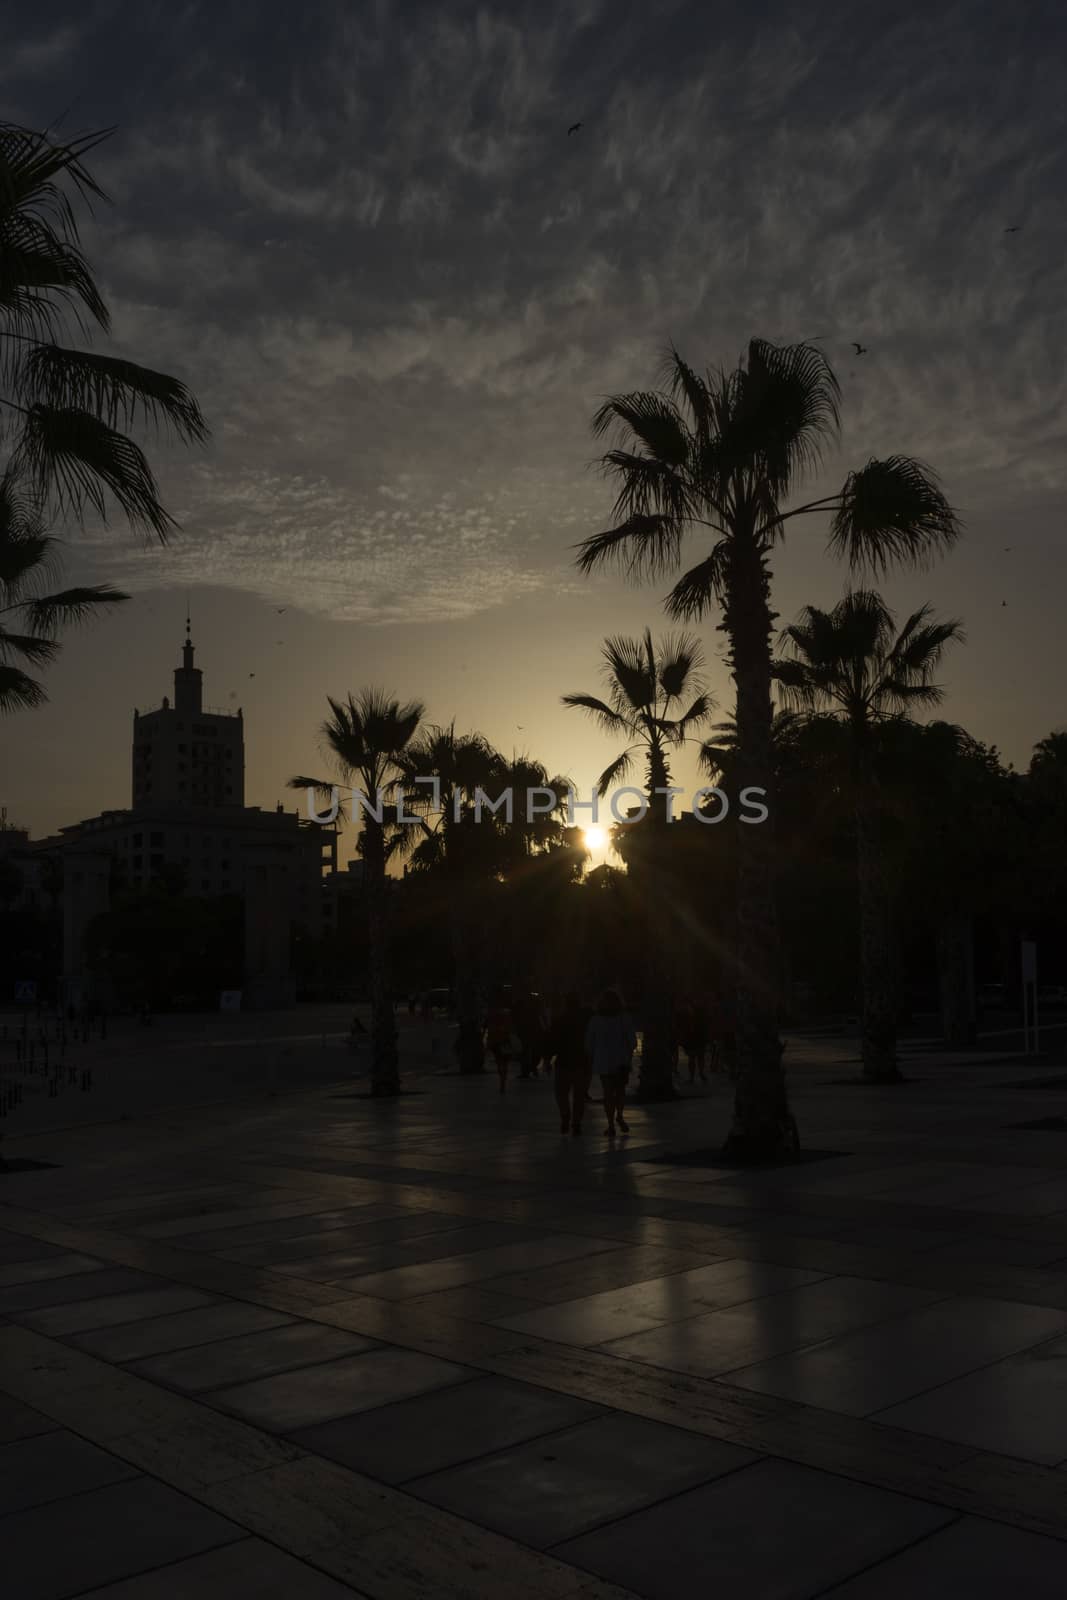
[251, 674]
[860, 349]
[573, 128]
[281, 609]
[1015, 229]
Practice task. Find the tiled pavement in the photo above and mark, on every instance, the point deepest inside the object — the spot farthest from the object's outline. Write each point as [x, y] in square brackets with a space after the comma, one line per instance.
[320, 1346]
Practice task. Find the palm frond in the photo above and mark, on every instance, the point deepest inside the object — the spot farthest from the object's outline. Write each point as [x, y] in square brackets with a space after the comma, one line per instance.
[698, 589]
[619, 768]
[73, 458]
[892, 511]
[18, 691]
[35, 650]
[69, 606]
[642, 544]
[117, 392]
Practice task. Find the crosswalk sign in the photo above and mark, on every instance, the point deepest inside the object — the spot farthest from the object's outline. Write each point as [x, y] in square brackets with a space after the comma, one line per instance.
[25, 990]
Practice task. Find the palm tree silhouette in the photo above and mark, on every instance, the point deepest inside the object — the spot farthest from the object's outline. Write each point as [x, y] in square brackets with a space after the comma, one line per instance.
[851, 665]
[462, 848]
[63, 412]
[723, 452]
[367, 738]
[27, 560]
[646, 683]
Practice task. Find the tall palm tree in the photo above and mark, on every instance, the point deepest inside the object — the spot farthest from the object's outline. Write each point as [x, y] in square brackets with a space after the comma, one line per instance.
[27, 562]
[852, 665]
[720, 455]
[646, 684]
[64, 412]
[367, 738]
[462, 848]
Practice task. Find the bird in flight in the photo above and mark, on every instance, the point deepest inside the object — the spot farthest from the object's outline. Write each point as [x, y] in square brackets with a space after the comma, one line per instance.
[573, 128]
[860, 349]
[1016, 229]
[281, 609]
[251, 674]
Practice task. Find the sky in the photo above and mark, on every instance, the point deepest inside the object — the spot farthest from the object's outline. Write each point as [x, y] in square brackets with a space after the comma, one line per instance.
[399, 289]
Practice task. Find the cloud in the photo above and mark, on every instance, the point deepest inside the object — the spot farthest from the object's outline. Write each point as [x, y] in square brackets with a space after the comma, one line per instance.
[395, 283]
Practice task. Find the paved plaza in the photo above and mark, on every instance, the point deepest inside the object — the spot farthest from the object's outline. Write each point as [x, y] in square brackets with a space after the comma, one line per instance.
[267, 1337]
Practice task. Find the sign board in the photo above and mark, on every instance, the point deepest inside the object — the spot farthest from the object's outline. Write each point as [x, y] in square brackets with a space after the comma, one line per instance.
[25, 991]
[1029, 955]
[230, 1000]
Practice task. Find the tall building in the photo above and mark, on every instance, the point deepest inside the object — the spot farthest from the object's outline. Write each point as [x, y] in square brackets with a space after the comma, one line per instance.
[184, 755]
[188, 826]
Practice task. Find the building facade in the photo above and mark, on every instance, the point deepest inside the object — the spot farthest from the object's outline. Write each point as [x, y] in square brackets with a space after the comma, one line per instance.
[188, 828]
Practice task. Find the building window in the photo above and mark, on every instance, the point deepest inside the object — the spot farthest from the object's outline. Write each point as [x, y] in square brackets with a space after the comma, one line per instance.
[138, 862]
[229, 789]
[181, 783]
[156, 839]
[137, 839]
[204, 884]
[181, 749]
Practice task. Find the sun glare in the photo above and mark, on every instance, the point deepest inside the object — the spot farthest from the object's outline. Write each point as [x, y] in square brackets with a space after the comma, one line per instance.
[595, 838]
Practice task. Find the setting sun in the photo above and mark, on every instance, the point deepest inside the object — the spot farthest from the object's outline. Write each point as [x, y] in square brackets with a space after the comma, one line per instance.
[595, 838]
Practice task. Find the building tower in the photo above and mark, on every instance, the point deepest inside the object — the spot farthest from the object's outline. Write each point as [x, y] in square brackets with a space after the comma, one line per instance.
[186, 756]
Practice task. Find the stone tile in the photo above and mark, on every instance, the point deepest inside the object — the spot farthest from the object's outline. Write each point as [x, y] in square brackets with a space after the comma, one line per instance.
[174, 1227]
[414, 1437]
[253, 1355]
[134, 1341]
[15, 1247]
[1017, 1407]
[335, 1241]
[344, 1266]
[556, 1487]
[294, 1400]
[990, 1251]
[249, 1570]
[611, 1269]
[20, 1421]
[52, 1466]
[215, 1239]
[982, 1560]
[109, 1309]
[38, 1271]
[91, 1539]
[597, 1318]
[404, 1282]
[773, 1531]
[723, 1340]
[471, 1303]
[868, 1371]
[81, 1286]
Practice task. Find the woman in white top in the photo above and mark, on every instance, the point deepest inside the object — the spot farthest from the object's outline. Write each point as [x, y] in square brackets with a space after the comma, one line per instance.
[610, 1043]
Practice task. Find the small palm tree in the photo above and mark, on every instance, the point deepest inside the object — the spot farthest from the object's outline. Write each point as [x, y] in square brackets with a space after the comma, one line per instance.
[64, 412]
[367, 738]
[463, 849]
[851, 665]
[27, 562]
[647, 683]
[720, 455]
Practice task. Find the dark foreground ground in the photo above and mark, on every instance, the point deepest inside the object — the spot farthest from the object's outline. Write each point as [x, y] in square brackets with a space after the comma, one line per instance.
[269, 1338]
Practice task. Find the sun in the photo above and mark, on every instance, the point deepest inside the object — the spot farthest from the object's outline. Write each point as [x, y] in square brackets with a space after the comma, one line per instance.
[595, 838]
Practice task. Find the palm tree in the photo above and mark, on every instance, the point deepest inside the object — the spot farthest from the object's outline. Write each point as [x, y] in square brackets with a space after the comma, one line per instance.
[721, 455]
[853, 666]
[647, 686]
[367, 737]
[64, 412]
[646, 683]
[462, 848]
[27, 560]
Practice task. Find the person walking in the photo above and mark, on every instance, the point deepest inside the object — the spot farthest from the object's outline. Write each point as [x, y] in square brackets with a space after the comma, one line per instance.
[567, 1051]
[610, 1043]
[498, 1037]
[695, 1041]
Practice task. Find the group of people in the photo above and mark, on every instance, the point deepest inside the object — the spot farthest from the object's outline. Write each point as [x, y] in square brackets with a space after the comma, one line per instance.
[577, 1043]
[705, 1031]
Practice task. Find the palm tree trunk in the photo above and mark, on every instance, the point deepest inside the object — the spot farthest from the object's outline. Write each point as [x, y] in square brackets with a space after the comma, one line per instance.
[877, 965]
[385, 1062]
[470, 1049]
[763, 1127]
[955, 961]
